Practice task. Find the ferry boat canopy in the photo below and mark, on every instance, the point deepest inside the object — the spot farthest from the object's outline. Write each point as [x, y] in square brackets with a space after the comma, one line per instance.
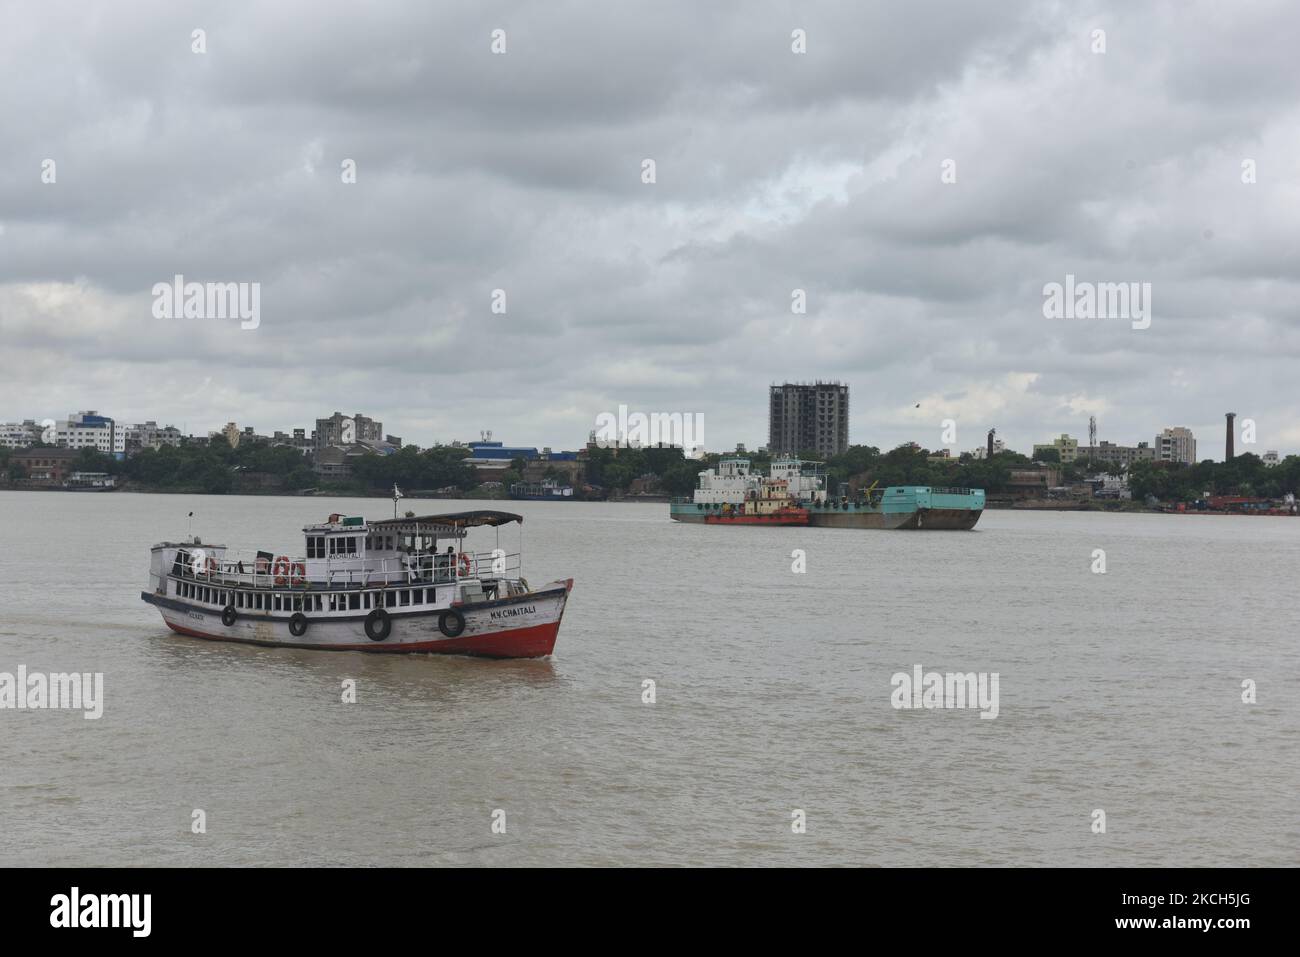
[423, 524]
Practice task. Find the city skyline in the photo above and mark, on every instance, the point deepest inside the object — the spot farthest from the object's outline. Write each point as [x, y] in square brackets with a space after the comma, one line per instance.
[373, 430]
[839, 213]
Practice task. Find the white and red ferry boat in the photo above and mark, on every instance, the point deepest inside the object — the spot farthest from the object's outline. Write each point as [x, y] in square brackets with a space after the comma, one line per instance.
[396, 585]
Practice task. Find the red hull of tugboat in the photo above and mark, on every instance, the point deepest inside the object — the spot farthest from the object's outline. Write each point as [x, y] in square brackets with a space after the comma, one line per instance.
[785, 516]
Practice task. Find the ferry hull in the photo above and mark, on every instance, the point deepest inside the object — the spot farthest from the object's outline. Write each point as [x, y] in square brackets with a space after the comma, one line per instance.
[524, 626]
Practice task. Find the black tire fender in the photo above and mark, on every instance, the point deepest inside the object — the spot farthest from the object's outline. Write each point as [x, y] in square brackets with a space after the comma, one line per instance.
[451, 623]
[298, 624]
[379, 625]
[228, 615]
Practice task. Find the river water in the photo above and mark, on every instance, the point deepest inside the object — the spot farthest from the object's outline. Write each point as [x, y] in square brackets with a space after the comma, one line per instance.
[1120, 692]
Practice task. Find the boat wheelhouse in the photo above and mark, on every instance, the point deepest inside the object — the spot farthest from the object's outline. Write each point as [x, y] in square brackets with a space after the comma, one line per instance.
[394, 585]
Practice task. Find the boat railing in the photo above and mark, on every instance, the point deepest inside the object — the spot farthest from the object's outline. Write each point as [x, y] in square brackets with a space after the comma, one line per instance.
[236, 570]
[954, 491]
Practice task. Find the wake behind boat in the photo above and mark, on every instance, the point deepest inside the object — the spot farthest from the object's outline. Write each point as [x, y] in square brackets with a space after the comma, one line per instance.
[396, 585]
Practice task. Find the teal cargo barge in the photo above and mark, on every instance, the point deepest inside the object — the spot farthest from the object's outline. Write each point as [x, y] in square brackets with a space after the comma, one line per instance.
[918, 507]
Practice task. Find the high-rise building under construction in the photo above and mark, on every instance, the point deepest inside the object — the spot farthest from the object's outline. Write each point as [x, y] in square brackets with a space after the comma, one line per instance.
[805, 417]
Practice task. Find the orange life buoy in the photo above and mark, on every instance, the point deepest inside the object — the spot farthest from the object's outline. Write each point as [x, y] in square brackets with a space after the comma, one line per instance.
[281, 569]
[299, 574]
[465, 561]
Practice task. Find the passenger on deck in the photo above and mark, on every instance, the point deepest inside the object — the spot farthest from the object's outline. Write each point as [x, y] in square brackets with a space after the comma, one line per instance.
[446, 564]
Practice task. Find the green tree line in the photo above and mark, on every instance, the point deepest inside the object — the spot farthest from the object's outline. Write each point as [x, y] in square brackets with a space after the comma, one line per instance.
[216, 468]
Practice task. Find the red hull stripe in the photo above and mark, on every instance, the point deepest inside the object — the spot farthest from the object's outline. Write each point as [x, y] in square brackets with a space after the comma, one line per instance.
[759, 520]
[533, 642]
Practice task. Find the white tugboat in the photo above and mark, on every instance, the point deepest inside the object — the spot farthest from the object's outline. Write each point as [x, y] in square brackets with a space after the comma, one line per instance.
[396, 585]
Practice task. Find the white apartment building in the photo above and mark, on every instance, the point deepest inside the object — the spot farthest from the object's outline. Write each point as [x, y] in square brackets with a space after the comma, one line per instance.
[18, 435]
[1176, 445]
[149, 435]
[87, 430]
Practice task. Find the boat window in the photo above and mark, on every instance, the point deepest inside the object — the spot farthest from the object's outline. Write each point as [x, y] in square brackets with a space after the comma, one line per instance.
[390, 598]
[351, 544]
[297, 602]
[316, 546]
[354, 601]
[431, 596]
[406, 597]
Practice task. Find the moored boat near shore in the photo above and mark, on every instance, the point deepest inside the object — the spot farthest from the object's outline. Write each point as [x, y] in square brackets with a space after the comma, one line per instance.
[384, 586]
[734, 484]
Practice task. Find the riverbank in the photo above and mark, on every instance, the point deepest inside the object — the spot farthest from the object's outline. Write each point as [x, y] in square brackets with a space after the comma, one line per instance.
[1070, 505]
[476, 494]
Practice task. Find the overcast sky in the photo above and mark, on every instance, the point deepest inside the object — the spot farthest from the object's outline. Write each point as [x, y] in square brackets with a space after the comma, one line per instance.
[775, 171]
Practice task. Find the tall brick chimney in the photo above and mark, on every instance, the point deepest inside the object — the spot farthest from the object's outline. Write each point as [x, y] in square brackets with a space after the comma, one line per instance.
[1227, 453]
